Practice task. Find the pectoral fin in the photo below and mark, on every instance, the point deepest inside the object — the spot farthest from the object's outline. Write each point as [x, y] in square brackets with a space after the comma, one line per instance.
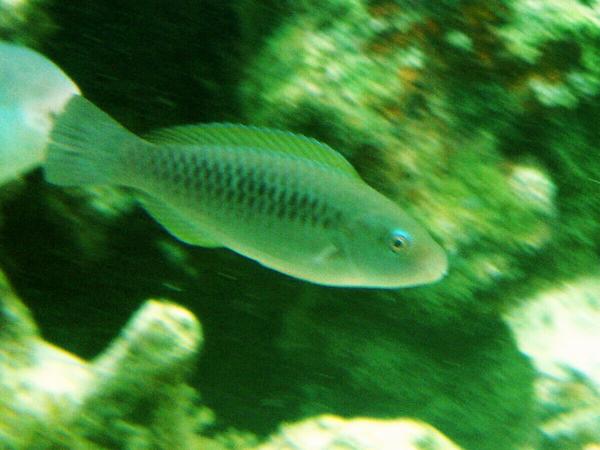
[328, 254]
[177, 224]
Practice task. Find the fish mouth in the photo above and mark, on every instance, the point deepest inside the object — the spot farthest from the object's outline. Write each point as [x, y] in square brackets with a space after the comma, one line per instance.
[430, 267]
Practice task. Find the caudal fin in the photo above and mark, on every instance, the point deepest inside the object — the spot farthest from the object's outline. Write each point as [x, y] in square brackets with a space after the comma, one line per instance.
[86, 146]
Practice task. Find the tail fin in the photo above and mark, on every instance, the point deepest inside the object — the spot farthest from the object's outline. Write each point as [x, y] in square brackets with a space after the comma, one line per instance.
[86, 146]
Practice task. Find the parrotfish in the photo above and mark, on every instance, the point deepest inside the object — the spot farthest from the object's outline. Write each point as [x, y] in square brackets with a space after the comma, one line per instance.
[289, 202]
[32, 90]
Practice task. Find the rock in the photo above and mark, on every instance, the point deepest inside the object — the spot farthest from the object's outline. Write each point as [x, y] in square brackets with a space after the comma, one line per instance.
[16, 324]
[558, 329]
[51, 397]
[329, 432]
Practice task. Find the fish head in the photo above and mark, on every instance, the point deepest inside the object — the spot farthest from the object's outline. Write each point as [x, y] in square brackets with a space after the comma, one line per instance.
[389, 250]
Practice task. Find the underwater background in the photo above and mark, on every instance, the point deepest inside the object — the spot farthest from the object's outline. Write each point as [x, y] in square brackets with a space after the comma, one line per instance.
[481, 118]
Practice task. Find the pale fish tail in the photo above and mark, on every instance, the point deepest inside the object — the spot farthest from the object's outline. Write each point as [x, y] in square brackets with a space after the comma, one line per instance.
[87, 146]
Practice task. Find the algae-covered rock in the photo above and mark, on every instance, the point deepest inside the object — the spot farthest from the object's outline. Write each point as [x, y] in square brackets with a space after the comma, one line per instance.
[17, 323]
[331, 432]
[134, 392]
[563, 39]
[558, 330]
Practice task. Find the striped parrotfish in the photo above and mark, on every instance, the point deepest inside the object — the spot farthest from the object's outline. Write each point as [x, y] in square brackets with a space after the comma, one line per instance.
[287, 201]
[32, 89]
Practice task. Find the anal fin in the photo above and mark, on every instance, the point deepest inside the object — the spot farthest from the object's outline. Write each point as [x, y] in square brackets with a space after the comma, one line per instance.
[176, 223]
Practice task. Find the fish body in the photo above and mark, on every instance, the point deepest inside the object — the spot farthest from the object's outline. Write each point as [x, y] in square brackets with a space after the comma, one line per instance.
[289, 202]
[32, 89]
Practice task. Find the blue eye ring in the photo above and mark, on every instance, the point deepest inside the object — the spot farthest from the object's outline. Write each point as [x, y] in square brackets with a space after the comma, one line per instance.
[400, 241]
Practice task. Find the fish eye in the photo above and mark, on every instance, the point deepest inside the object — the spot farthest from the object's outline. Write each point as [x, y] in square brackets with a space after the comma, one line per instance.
[399, 241]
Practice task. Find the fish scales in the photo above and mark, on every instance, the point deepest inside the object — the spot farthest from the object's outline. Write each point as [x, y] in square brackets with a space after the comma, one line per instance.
[240, 182]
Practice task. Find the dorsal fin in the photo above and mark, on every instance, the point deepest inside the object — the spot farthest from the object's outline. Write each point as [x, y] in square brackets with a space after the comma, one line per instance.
[226, 134]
